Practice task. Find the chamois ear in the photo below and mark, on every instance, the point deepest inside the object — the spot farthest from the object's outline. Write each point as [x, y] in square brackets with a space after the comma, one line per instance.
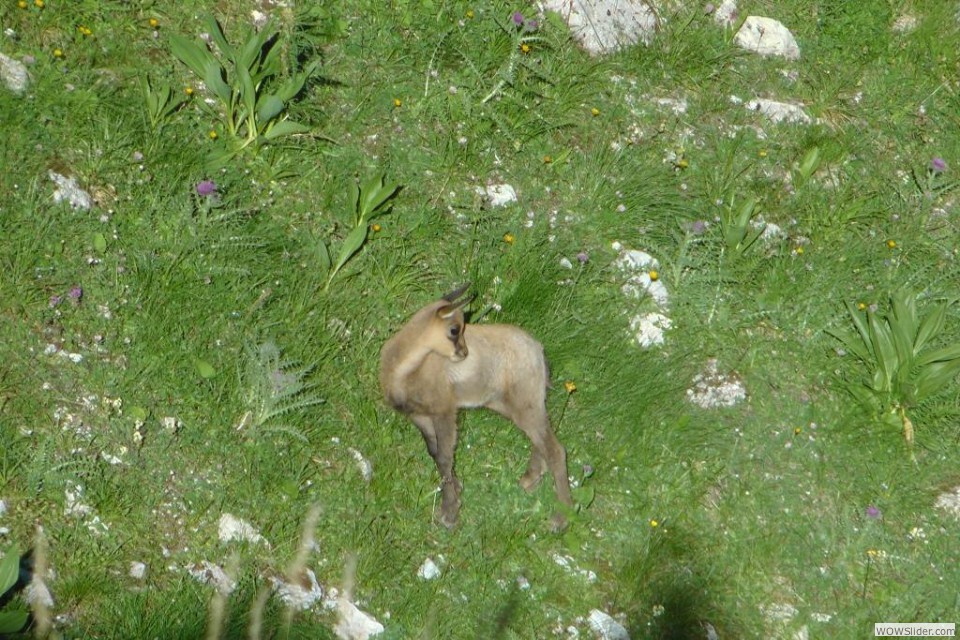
[456, 293]
[446, 311]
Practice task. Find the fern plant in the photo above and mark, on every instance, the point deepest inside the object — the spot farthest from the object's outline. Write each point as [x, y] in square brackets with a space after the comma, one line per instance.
[902, 371]
[274, 388]
[12, 619]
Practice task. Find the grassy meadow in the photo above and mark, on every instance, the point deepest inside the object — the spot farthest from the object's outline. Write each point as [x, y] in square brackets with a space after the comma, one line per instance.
[204, 338]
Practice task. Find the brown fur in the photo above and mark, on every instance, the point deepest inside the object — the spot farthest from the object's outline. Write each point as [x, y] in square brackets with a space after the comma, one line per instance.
[436, 365]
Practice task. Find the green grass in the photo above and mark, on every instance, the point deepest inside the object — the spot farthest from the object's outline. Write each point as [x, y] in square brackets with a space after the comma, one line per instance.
[688, 516]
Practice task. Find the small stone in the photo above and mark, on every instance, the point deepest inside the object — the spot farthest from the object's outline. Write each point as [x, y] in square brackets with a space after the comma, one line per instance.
[498, 195]
[68, 190]
[428, 570]
[779, 111]
[233, 528]
[14, 75]
[138, 570]
[768, 37]
[606, 627]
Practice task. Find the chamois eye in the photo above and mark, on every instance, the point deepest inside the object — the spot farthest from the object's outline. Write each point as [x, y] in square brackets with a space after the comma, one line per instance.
[454, 332]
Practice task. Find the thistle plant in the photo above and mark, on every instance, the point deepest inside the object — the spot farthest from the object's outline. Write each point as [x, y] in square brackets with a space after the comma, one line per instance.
[902, 372]
[274, 387]
[371, 199]
[12, 620]
[246, 81]
[521, 30]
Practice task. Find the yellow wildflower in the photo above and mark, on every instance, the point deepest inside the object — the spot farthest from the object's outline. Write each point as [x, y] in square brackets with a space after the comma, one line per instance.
[188, 91]
[654, 275]
[22, 4]
[57, 53]
[654, 523]
[525, 48]
[213, 135]
[547, 159]
[39, 3]
[470, 13]
[570, 386]
[376, 227]
[861, 306]
[891, 244]
[509, 238]
[154, 23]
[397, 103]
[594, 112]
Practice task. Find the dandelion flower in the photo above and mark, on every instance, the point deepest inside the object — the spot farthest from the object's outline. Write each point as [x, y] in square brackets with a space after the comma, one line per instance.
[397, 103]
[547, 159]
[683, 163]
[762, 153]
[154, 23]
[654, 275]
[213, 135]
[39, 3]
[58, 53]
[22, 4]
[525, 48]
[861, 306]
[470, 13]
[509, 238]
[797, 431]
[188, 91]
[86, 31]
[570, 386]
[799, 251]
[654, 523]
[594, 112]
[376, 227]
[891, 244]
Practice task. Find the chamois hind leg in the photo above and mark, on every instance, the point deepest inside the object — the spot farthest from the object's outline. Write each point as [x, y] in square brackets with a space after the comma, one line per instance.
[440, 434]
[545, 450]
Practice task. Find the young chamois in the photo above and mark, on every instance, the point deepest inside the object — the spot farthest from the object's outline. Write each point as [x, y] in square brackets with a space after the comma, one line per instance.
[436, 365]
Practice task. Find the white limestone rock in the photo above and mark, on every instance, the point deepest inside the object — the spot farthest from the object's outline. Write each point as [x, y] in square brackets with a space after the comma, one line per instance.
[768, 37]
[778, 112]
[605, 26]
[14, 75]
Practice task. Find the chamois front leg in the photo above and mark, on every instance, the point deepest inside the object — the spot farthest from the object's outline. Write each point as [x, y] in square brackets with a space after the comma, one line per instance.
[440, 434]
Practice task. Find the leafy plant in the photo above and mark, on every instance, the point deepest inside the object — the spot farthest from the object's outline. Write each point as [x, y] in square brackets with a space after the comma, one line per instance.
[161, 102]
[521, 31]
[807, 167]
[739, 230]
[902, 371]
[274, 388]
[370, 201]
[11, 620]
[245, 80]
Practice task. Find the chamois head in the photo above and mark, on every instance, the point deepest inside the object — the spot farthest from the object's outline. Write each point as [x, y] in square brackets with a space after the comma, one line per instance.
[446, 326]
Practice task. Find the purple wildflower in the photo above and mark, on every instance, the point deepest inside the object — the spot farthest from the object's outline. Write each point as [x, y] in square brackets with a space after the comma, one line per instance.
[872, 512]
[698, 227]
[530, 25]
[206, 188]
[76, 293]
[938, 165]
[517, 19]
[55, 301]
[582, 257]
[587, 470]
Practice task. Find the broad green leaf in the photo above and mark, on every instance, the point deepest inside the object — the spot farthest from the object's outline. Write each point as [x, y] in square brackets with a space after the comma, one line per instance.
[861, 325]
[284, 128]
[905, 314]
[931, 325]
[323, 255]
[268, 108]
[351, 244]
[191, 54]
[251, 50]
[940, 355]
[12, 621]
[216, 32]
[853, 344]
[933, 377]
[883, 349]
[9, 568]
[247, 92]
[354, 190]
[218, 158]
[204, 368]
[292, 87]
[746, 213]
[99, 242]
[368, 192]
[213, 78]
[809, 164]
